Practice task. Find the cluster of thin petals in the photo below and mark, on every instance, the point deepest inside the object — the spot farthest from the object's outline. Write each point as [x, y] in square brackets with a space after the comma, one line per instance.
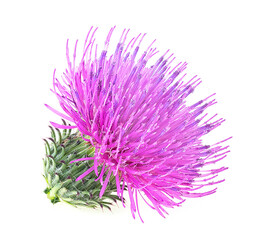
[136, 117]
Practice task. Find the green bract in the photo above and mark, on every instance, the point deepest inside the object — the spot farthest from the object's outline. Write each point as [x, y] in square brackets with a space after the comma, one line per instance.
[60, 174]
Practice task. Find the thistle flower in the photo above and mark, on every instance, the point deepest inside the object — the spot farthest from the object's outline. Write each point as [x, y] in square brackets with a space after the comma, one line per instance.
[136, 117]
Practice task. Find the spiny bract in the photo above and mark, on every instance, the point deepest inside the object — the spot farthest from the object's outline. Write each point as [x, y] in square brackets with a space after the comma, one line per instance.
[136, 117]
[60, 174]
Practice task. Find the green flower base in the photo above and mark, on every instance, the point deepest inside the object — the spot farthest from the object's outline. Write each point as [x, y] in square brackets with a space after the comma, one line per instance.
[63, 147]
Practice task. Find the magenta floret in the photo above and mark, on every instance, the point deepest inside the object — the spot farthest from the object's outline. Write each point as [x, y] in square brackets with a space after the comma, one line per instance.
[138, 120]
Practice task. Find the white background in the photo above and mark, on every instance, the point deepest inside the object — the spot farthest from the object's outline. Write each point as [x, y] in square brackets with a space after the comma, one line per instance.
[224, 42]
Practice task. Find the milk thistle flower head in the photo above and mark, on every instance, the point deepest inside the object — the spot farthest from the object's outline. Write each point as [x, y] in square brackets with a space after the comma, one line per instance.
[135, 116]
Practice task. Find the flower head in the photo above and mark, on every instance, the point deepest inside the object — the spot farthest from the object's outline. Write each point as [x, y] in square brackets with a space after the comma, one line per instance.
[136, 117]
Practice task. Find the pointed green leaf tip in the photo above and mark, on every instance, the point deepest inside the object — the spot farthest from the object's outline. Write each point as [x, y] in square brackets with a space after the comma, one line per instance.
[61, 175]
